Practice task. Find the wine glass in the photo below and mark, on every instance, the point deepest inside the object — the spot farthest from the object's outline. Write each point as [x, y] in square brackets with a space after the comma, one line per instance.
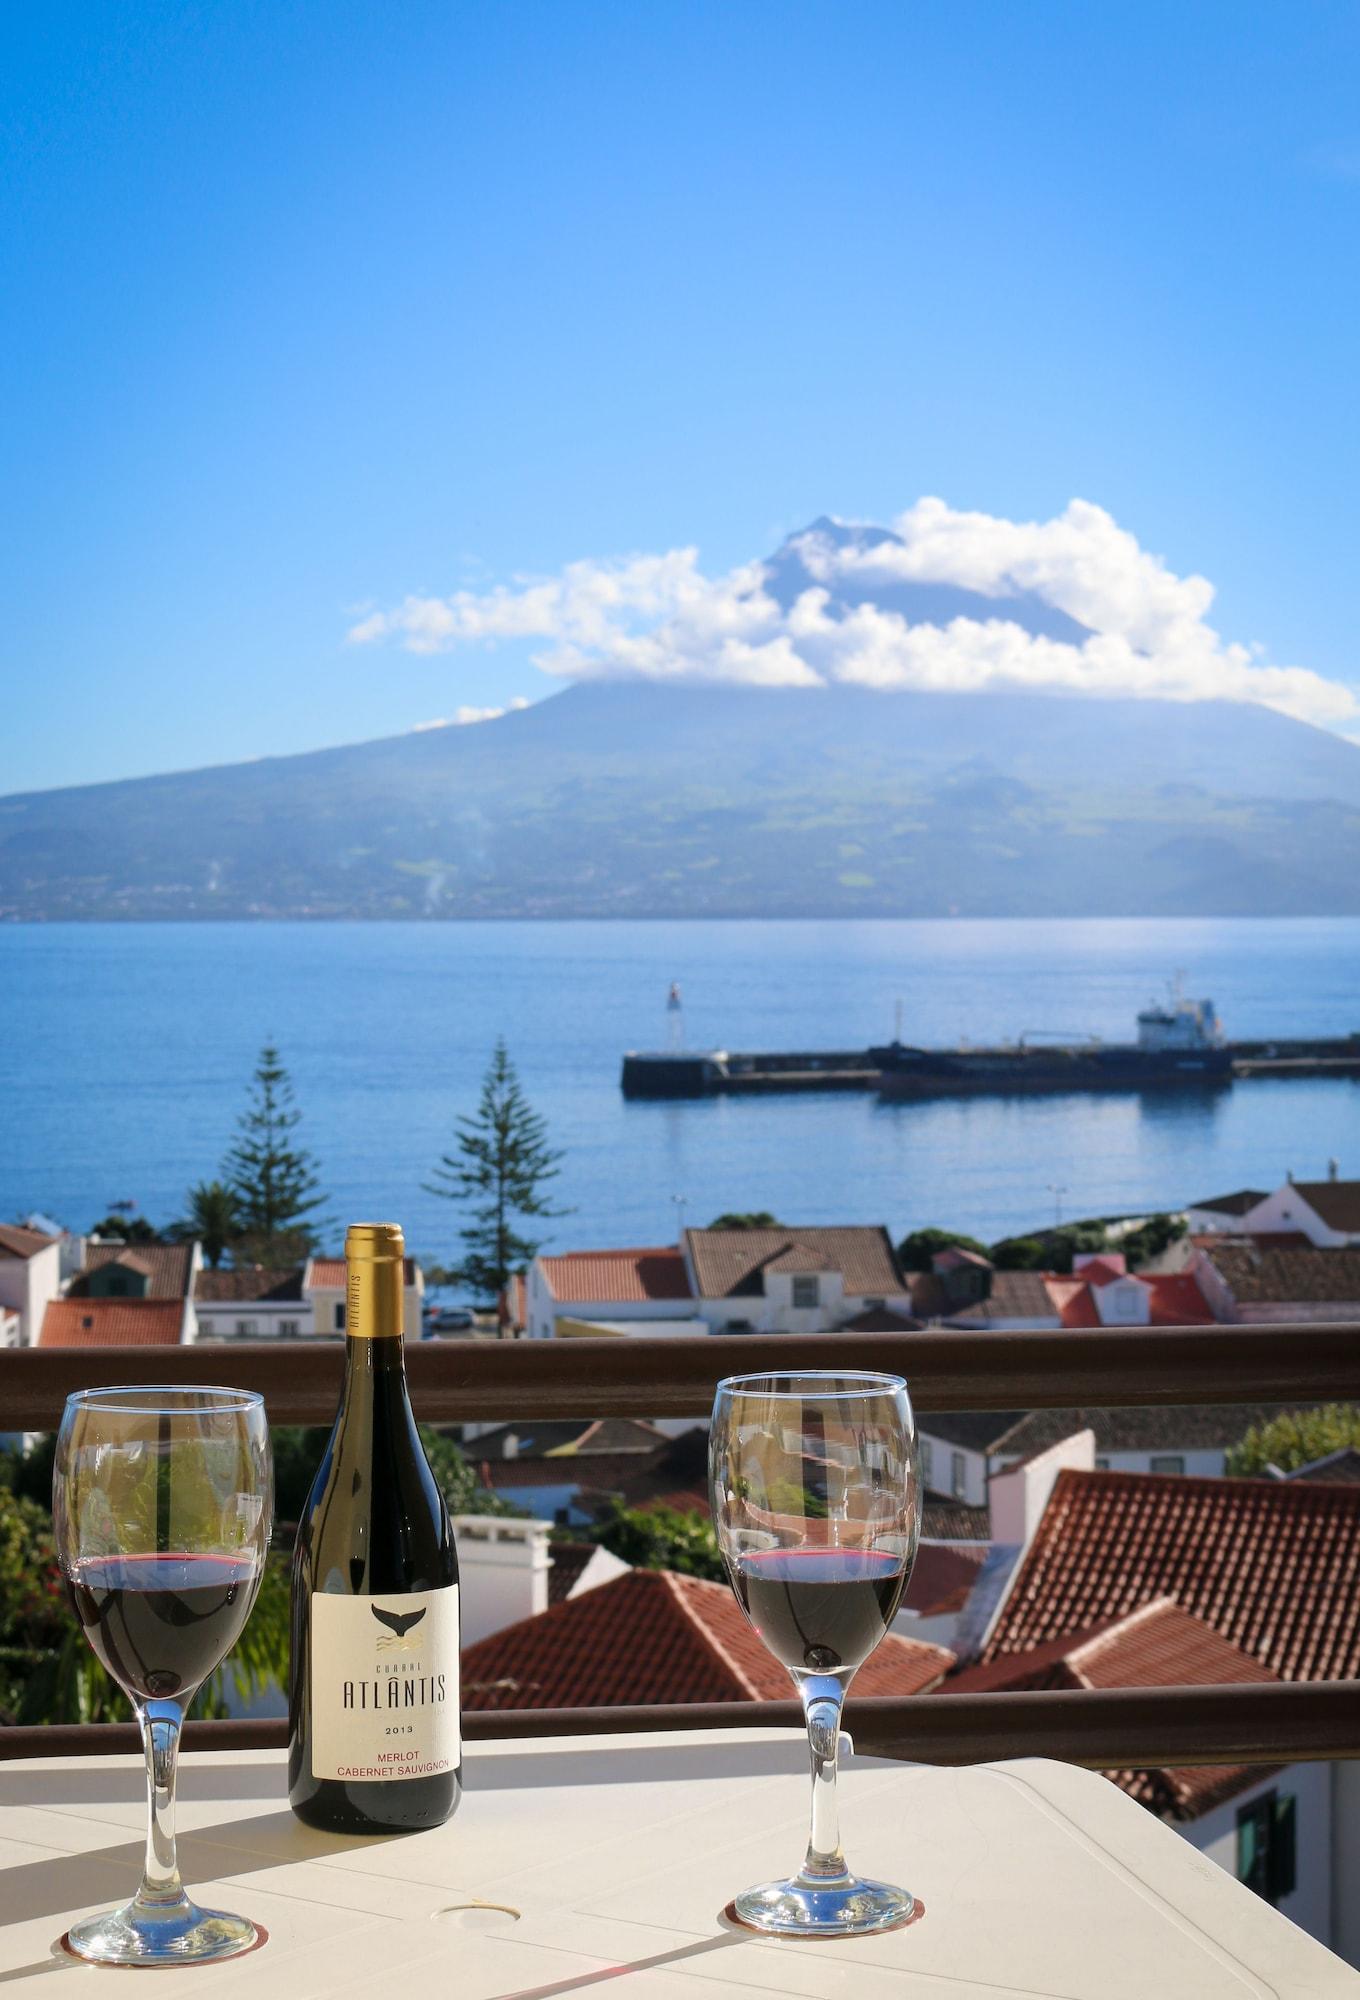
[816, 1506]
[161, 1502]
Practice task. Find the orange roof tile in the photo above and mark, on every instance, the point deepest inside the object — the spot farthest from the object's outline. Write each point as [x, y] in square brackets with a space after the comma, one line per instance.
[112, 1323]
[597, 1277]
[1272, 1565]
[1160, 1645]
[653, 1636]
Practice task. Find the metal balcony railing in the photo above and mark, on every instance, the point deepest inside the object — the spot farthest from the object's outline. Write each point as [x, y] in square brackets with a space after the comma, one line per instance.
[675, 1376]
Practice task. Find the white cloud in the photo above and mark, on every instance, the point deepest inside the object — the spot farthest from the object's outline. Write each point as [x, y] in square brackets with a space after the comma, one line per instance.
[658, 617]
[464, 715]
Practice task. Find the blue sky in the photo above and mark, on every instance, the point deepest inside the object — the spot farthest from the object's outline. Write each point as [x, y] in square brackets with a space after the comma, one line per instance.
[309, 309]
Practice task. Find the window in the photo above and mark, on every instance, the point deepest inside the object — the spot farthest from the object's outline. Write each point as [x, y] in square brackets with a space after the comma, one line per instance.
[1266, 1846]
[1102, 1464]
[958, 1475]
[288, 1329]
[804, 1293]
[245, 1329]
[340, 1317]
[1172, 1461]
[925, 1460]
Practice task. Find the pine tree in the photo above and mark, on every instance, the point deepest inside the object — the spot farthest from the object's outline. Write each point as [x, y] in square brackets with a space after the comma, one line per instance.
[274, 1183]
[502, 1165]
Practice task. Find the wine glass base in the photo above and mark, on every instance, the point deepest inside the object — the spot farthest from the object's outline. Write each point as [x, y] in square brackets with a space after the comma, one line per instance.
[844, 1908]
[183, 1935]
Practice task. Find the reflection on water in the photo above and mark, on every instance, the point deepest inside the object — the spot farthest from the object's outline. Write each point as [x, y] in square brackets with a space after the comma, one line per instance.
[127, 1050]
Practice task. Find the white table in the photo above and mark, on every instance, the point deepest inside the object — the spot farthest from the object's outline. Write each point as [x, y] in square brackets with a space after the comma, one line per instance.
[600, 1864]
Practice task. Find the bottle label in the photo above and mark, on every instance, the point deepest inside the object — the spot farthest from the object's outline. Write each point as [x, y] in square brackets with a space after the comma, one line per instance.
[384, 1676]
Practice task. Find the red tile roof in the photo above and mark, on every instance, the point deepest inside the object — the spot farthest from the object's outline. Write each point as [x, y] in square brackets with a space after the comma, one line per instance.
[653, 1636]
[112, 1323]
[730, 1263]
[1272, 1565]
[598, 1277]
[16, 1241]
[1176, 1300]
[941, 1578]
[1160, 1645]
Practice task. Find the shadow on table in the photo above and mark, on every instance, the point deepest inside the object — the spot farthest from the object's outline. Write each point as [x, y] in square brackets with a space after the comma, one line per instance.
[578, 1982]
[218, 1778]
[56, 1884]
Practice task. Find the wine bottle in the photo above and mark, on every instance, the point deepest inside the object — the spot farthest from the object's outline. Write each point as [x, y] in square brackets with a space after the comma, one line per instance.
[374, 1734]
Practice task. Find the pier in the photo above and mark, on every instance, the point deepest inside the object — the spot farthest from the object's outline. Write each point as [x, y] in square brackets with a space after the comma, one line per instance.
[684, 1073]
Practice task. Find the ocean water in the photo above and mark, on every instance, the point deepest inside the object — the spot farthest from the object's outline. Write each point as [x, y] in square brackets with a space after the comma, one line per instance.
[126, 1051]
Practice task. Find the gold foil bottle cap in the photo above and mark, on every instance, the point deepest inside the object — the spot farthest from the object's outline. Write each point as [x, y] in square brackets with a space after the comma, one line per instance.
[374, 1259]
[375, 1241]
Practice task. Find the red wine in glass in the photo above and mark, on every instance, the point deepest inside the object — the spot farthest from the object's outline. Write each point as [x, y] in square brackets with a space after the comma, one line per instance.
[161, 1623]
[820, 1611]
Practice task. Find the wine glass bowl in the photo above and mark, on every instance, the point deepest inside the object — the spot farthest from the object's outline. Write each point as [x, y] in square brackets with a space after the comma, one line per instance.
[815, 1498]
[161, 1505]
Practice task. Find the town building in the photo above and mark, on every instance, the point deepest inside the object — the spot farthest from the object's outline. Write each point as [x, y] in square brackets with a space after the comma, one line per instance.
[252, 1302]
[30, 1278]
[804, 1280]
[1326, 1212]
[1249, 1283]
[1189, 1438]
[256, 1302]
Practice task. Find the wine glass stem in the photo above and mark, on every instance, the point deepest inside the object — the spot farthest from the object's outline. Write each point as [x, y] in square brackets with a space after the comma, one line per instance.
[161, 1888]
[823, 1697]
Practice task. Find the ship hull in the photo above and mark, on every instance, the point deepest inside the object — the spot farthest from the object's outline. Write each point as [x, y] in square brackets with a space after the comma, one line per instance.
[906, 1072]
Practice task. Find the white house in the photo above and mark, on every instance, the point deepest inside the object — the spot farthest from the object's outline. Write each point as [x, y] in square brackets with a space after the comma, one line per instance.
[1326, 1212]
[1223, 1214]
[720, 1281]
[254, 1303]
[30, 1278]
[647, 1291]
[796, 1280]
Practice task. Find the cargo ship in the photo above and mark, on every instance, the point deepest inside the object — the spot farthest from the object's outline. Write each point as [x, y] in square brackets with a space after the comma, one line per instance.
[1180, 1045]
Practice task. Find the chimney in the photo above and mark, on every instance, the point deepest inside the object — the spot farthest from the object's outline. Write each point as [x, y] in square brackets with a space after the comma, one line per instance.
[1017, 1497]
[1333, 1170]
[502, 1571]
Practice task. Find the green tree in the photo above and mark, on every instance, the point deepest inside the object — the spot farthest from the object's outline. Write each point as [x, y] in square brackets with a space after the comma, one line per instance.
[1297, 1438]
[756, 1218]
[915, 1251]
[502, 1165]
[273, 1182]
[210, 1218]
[125, 1228]
[1150, 1238]
[661, 1538]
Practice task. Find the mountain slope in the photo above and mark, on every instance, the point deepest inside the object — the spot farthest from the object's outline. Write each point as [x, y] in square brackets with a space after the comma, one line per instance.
[632, 799]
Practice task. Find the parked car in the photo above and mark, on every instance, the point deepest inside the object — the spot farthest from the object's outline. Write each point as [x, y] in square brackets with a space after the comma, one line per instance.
[448, 1319]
